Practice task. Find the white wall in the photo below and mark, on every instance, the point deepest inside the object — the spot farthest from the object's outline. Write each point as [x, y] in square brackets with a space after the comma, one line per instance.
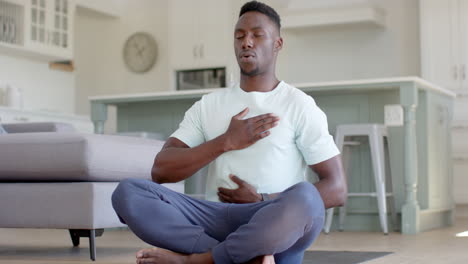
[98, 52]
[42, 88]
[354, 52]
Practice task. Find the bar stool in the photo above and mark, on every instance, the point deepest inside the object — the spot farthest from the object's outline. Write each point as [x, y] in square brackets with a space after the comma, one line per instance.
[377, 133]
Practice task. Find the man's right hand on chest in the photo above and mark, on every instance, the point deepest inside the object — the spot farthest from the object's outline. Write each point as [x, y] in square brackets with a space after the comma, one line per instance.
[243, 133]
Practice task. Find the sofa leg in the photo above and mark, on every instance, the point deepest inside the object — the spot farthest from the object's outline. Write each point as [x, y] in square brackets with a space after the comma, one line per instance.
[75, 237]
[92, 245]
[91, 233]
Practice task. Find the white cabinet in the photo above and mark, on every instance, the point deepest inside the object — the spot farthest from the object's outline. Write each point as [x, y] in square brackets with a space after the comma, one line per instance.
[331, 17]
[183, 41]
[444, 61]
[109, 8]
[44, 29]
[48, 27]
[444, 48]
[444, 40]
[463, 44]
[200, 33]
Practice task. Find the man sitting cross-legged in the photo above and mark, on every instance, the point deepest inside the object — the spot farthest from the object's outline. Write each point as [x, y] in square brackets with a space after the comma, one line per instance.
[258, 139]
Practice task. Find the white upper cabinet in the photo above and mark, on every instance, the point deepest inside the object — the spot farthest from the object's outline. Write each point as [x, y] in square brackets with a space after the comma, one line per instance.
[444, 39]
[215, 32]
[199, 33]
[297, 14]
[38, 29]
[330, 17]
[183, 45]
[49, 27]
[463, 42]
[109, 8]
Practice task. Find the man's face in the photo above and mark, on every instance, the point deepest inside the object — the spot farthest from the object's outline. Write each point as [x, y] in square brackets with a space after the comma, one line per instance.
[256, 43]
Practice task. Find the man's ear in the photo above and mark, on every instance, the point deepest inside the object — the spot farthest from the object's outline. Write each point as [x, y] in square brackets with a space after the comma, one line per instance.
[278, 44]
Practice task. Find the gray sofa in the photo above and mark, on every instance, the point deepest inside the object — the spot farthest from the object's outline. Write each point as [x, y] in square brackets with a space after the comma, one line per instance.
[53, 177]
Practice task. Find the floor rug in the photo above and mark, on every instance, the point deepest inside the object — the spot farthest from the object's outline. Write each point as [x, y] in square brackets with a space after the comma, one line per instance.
[340, 257]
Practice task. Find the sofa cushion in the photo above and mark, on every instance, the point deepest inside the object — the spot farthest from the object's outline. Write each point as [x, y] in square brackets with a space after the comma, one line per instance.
[75, 157]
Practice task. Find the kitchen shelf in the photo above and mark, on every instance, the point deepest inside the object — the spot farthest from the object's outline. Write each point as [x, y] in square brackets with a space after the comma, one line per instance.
[336, 16]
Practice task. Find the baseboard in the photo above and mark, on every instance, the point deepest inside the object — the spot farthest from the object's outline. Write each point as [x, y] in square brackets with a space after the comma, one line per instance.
[461, 210]
[435, 218]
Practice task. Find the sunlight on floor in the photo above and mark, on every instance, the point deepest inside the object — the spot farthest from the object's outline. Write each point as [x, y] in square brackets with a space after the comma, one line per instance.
[462, 234]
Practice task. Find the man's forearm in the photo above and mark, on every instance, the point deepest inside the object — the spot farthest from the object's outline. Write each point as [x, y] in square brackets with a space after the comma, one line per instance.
[176, 164]
[332, 195]
[332, 184]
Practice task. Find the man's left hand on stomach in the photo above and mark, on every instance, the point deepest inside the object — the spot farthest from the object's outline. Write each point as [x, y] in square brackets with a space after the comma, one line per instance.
[245, 193]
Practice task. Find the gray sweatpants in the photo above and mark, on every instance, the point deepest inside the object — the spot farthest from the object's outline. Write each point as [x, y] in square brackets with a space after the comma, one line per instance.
[234, 233]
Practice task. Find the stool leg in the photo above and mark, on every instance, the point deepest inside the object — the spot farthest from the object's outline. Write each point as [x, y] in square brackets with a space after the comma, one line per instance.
[392, 208]
[345, 150]
[378, 164]
[339, 139]
[389, 186]
[342, 217]
[328, 221]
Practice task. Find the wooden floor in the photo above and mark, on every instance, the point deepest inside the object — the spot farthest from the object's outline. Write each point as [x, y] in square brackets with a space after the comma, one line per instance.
[25, 246]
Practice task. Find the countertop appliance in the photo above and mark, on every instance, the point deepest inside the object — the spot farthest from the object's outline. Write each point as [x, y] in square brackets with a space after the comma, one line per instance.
[201, 78]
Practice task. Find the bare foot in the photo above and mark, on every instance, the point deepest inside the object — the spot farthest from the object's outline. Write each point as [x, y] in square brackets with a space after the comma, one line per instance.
[268, 259]
[164, 256]
[160, 256]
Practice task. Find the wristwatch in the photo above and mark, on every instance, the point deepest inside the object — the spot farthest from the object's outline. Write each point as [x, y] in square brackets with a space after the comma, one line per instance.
[265, 196]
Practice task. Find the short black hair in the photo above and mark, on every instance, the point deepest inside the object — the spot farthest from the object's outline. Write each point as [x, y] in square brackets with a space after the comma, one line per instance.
[261, 8]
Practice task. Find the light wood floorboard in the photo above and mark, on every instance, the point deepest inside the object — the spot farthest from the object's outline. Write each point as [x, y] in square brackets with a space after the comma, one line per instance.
[26, 246]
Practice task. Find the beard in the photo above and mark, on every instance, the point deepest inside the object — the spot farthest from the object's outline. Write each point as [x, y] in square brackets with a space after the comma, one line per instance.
[251, 73]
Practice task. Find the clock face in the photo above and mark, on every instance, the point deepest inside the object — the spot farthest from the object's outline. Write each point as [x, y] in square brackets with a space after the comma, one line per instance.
[140, 52]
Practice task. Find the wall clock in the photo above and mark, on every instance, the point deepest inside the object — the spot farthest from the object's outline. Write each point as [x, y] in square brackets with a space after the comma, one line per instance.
[140, 52]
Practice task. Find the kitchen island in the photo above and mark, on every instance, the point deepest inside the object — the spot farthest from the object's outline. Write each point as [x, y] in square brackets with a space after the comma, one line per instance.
[420, 149]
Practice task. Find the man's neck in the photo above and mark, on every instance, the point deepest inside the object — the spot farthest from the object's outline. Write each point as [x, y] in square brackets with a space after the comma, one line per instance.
[259, 83]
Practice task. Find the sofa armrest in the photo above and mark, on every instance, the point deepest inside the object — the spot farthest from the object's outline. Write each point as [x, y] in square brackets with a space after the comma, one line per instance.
[32, 127]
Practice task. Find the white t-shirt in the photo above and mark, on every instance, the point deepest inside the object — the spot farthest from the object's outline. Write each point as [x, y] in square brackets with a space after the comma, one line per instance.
[273, 163]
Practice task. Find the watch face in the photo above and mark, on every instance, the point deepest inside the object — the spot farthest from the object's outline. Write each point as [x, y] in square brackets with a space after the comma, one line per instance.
[140, 52]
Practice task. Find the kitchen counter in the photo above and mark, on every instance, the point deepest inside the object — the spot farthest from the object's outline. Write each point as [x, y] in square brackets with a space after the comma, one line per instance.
[420, 153]
[318, 87]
